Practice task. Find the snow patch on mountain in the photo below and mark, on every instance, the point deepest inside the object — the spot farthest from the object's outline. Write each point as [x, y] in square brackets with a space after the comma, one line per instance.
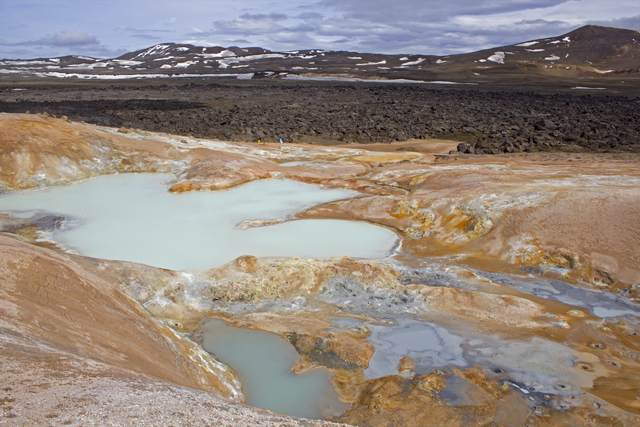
[154, 50]
[417, 61]
[245, 76]
[373, 63]
[225, 53]
[185, 64]
[497, 57]
[124, 62]
[10, 62]
[87, 66]
[346, 79]
[527, 44]
[228, 61]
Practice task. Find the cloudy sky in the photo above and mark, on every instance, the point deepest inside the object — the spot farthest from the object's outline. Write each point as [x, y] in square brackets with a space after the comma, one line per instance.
[108, 28]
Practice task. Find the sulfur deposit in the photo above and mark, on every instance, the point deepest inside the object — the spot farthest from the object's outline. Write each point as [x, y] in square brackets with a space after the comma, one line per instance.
[510, 299]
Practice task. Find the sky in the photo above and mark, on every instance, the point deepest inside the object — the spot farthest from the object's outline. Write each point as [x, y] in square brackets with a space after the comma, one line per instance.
[110, 28]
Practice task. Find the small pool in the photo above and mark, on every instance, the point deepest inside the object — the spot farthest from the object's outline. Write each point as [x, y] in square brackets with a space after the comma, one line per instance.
[263, 362]
[133, 217]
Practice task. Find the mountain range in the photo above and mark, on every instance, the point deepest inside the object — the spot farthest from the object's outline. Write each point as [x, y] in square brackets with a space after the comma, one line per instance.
[587, 52]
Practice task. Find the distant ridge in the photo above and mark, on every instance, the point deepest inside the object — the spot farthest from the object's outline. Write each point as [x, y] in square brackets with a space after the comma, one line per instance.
[586, 52]
[590, 45]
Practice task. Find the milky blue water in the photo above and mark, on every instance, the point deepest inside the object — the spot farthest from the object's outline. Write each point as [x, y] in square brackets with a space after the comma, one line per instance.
[133, 217]
[263, 362]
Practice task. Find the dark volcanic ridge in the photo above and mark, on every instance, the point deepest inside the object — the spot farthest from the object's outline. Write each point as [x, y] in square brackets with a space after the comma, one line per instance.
[587, 52]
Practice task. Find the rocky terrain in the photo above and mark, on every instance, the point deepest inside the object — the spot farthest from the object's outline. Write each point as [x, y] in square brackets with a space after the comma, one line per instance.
[484, 121]
[523, 268]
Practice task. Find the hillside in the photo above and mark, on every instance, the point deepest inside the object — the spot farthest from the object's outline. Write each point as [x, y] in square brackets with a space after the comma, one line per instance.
[590, 51]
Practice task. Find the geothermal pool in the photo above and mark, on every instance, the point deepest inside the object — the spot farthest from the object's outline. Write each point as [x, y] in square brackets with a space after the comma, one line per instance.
[133, 217]
[263, 362]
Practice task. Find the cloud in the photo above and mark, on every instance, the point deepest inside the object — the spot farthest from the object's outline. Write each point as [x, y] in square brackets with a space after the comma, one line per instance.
[62, 43]
[245, 27]
[169, 21]
[309, 16]
[145, 34]
[412, 26]
[218, 42]
[272, 30]
[263, 17]
[430, 10]
[242, 42]
[292, 39]
[62, 39]
[519, 31]
[69, 38]
[632, 23]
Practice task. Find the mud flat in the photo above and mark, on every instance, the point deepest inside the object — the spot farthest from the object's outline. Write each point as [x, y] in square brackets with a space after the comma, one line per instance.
[511, 299]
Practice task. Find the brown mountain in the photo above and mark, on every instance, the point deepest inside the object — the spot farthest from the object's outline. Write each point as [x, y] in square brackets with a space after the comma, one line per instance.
[587, 49]
[590, 51]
